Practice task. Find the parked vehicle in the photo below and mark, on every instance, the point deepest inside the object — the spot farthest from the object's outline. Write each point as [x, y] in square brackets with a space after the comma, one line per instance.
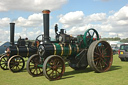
[115, 50]
[123, 52]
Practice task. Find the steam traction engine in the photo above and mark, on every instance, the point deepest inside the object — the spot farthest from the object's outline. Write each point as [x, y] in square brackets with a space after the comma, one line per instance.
[80, 51]
[13, 57]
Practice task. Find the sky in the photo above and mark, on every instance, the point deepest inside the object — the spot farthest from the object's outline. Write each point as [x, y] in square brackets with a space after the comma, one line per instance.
[108, 17]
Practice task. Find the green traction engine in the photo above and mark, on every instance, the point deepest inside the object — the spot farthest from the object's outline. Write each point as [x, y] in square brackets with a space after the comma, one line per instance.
[79, 51]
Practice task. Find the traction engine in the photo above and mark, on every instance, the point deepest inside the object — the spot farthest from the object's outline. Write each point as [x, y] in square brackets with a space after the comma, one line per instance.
[12, 59]
[79, 51]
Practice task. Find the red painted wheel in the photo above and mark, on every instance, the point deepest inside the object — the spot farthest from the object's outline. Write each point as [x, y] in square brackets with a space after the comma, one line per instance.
[100, 56]
[53, 67]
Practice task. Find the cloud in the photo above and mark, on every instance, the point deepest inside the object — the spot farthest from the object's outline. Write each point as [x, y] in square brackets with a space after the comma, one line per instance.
[31, 5]
[78, 19]
[29, 27]
[4, 35]
[34, 20]
[4, 22]
[107, 25]
[75, 22]
[71, 18]
[95, 17]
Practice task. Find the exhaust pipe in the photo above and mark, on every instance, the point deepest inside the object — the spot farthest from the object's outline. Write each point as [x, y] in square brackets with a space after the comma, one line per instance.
[46, 25]
[12, 29]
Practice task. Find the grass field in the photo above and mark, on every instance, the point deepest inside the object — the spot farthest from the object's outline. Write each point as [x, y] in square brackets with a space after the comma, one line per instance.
[117, 75]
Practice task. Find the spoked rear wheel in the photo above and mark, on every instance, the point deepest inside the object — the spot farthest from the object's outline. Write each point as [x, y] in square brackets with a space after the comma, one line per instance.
[54, 67]
[4, 62]
[33, 66]
[100, 56]
[16, 63]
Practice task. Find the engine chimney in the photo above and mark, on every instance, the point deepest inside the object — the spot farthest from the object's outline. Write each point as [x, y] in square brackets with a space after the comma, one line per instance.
[12, 29]
[46, 25]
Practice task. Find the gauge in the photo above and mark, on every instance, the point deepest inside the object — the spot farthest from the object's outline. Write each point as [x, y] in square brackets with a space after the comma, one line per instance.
[60, 38]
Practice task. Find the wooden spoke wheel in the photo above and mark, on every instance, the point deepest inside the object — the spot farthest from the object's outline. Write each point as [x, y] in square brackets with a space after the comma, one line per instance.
[33, 66]
[53, 67]
[16, 63]
[4, 62]
[100, 56]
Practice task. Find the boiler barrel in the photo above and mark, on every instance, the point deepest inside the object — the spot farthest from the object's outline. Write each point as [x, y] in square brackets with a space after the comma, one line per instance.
[61, 49]
[23, 51]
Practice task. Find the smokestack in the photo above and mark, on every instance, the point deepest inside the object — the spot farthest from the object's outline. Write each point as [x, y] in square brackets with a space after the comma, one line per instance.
[46, 25]
[12, 29]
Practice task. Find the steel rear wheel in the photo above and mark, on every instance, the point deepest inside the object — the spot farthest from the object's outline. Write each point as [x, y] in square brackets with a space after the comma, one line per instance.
[4, 62]
[54, 67]
[16, 63]
[32, 66]
[100, 56]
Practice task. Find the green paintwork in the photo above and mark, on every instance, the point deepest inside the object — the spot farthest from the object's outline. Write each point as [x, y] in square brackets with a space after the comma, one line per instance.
[80, 41]
[74, 49]
[40, 65]
[66, 49]
[58, 48]
[63, 49]
[90, 39]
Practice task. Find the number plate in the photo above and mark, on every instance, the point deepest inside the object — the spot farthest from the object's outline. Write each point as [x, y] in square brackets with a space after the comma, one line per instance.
[121, 52]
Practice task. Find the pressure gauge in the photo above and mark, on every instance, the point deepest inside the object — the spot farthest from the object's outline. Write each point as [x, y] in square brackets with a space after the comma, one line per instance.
[60, 38]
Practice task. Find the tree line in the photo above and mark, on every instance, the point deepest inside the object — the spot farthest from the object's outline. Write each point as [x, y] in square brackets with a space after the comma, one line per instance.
[116, 39]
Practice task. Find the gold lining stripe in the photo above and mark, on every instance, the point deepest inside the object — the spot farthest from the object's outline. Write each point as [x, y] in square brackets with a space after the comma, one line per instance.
[77, 48]
[27, 51]
[54, 49]
[62, 49]
[70, 49]
[17, 50]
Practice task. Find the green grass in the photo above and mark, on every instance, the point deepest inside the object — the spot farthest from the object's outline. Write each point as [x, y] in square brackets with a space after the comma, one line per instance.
[117, 75]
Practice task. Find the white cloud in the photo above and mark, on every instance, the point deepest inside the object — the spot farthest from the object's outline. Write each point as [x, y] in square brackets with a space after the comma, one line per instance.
[112, 33]
[111, 12]
[71, 18]
[4, 22]
[111, 26]
[34, 20]
[31, 5]
[29, 27]
[96, 17]
[4, 35]
[78, 19]
[76, 22]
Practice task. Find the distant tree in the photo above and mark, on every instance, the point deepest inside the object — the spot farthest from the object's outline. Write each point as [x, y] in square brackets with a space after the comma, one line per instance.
[112, 39]
[124, 40]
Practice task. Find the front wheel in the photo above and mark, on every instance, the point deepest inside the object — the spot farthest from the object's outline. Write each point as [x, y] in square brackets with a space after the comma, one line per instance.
[16, 63]
[54, 67]
[100, 56]
[33, 67]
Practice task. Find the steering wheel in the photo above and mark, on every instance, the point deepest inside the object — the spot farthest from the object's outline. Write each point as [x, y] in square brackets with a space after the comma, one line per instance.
[37, 41]
[89, 36]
